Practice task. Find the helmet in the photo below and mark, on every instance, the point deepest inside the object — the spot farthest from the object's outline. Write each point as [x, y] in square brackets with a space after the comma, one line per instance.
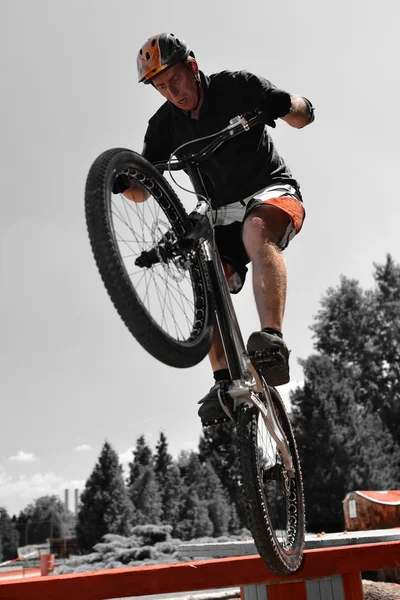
[159, 53]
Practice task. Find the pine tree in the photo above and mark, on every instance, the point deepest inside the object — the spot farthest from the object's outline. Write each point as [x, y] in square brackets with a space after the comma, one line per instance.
[218, 445]
[343, 446]
[105, 506]
[162, 460]
[374, 454]
[169, 482]
[142, 458]
[203, 479]
[145, 495]
[357, 333]
[143, 487]
[194, 519]
[387, 343]
[189, 465]
[360, 332]
[321, 431]
[172, 496]
[217, 500]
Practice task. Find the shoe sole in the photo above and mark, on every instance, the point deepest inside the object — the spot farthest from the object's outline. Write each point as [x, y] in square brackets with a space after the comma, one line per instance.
[215, 422]
[276, 371]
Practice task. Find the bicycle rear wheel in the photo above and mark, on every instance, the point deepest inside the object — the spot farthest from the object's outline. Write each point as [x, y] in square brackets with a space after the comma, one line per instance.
[164, 302]
[274, 501]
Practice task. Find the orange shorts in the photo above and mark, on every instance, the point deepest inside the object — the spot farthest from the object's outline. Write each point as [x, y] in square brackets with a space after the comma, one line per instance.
[229, 221]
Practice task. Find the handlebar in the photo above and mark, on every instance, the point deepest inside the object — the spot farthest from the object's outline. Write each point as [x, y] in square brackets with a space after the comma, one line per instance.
[236, 126]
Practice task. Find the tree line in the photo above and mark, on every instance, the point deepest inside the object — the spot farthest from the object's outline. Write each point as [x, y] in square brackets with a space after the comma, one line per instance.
[347, 415]
[346, 419]
[185, 493]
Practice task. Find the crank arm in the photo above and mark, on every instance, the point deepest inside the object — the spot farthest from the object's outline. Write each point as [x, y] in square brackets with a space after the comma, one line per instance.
[275, 429]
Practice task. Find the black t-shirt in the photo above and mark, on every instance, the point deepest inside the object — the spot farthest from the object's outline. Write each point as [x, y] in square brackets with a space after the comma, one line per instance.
[243, 165]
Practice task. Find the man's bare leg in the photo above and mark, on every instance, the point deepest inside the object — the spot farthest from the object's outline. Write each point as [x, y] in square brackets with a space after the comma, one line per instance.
[263, 230]
[217, 354]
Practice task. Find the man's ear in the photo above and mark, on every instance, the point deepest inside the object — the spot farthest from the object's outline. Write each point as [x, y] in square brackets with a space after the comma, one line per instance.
[192, 62]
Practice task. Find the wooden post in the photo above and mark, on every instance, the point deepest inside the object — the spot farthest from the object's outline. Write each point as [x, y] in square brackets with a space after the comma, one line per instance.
[352, 586]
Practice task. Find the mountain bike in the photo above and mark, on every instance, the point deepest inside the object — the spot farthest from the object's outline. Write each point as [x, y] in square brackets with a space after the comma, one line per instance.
[162, 270]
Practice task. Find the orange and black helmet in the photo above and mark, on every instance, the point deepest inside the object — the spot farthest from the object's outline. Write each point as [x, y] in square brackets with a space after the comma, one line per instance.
[159, 53]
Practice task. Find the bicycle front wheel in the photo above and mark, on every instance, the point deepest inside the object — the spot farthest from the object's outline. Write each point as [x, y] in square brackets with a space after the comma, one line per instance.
[274, 501]
[164, 301]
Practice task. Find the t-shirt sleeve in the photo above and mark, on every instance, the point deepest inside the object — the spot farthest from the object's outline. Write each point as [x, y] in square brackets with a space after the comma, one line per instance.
[256, 91]
[157, 145]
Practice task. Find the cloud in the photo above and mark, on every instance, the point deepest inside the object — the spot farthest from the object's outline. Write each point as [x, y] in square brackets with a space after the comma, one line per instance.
[83, 448]
[23, 456]
[125, 458]
[30, 487]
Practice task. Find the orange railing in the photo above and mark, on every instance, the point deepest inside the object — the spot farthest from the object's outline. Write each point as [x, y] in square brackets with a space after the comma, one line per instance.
[346, 561]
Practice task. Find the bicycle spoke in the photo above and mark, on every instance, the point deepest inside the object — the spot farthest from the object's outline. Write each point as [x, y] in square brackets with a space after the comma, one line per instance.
[165, 289]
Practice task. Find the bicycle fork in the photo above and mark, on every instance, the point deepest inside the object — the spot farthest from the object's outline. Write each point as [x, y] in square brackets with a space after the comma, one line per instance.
[244, 379]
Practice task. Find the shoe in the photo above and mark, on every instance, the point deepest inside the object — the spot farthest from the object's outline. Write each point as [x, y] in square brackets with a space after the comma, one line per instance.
[211, 411]
[270, 355]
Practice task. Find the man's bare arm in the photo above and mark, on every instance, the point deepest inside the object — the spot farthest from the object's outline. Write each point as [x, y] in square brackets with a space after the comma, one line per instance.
[301, 112]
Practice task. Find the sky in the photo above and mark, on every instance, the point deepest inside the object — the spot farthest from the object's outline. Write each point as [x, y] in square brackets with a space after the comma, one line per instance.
[72, 376]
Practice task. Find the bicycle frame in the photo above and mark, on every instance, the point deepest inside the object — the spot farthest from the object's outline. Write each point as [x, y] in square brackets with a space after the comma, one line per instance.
[244, 383]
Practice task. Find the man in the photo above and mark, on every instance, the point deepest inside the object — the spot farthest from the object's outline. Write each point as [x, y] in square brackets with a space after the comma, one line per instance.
[257, 202]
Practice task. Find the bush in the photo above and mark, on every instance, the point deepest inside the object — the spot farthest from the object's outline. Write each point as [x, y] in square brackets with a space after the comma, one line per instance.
[243, 534]
[113, 564]
[151, 534]
[63, 570]
[165, 559]
[76, 561]
[126, 555]
[114, 537]
[103, 548]
[134, 541]
[118, 541]
[146, 552]
[117, 551]
[86, 567]
[166, 547]
[93, 557]
[184, 529]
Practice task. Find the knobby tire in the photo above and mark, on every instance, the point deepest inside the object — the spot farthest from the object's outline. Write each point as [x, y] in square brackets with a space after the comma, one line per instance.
[173, 350]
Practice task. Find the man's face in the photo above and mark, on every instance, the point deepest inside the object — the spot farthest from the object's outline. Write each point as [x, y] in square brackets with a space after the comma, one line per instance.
[178, 85]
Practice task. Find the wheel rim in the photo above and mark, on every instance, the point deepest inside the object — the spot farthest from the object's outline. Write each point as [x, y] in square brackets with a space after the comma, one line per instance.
[278, 489]
[171, 293]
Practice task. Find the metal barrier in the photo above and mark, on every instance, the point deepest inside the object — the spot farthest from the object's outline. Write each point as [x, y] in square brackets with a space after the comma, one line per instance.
[330, 573]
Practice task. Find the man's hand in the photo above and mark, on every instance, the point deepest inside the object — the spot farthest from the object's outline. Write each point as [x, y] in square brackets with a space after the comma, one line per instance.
[130, 188]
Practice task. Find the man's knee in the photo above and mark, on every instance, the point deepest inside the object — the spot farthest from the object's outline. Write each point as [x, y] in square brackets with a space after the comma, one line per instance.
[265, 224]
